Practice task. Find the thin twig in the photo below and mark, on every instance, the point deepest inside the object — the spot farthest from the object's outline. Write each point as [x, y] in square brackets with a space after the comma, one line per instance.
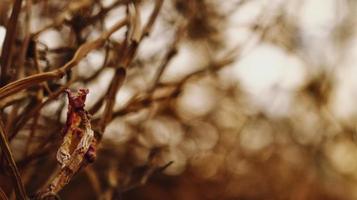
[35, 110]
[15, 175]
[82, 51]
[168, 57]
[134, 36]
[152, 19]
[117, 81]
[9, 41]
[3, 195]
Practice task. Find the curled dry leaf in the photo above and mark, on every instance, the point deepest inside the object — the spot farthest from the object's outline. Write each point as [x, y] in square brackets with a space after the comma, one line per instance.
[78, 146]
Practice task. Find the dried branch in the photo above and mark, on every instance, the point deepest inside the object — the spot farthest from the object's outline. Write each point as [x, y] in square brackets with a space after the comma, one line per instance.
[169, 55]
[9, 41]
[82, 51]
[22, 120]
[117, 81]
[152, 19]
[15, 175]
[3, 195]
[134, 36]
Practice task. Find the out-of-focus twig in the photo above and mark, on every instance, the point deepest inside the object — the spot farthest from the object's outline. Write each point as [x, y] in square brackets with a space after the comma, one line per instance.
[168, 57]
[152, 19]
[110, 98]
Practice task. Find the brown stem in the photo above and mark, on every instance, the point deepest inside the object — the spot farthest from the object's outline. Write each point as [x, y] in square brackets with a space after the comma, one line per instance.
[35, 110]
[15, 175]
[82, 51]
[168, 57]
[3, 195]
[9, 41]
[117, 81]
[152, 19]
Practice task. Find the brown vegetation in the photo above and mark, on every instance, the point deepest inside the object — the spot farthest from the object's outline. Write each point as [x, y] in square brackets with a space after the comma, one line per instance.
[140, 132]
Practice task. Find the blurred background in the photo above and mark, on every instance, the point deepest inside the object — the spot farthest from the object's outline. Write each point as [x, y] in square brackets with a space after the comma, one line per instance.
[257, 100]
